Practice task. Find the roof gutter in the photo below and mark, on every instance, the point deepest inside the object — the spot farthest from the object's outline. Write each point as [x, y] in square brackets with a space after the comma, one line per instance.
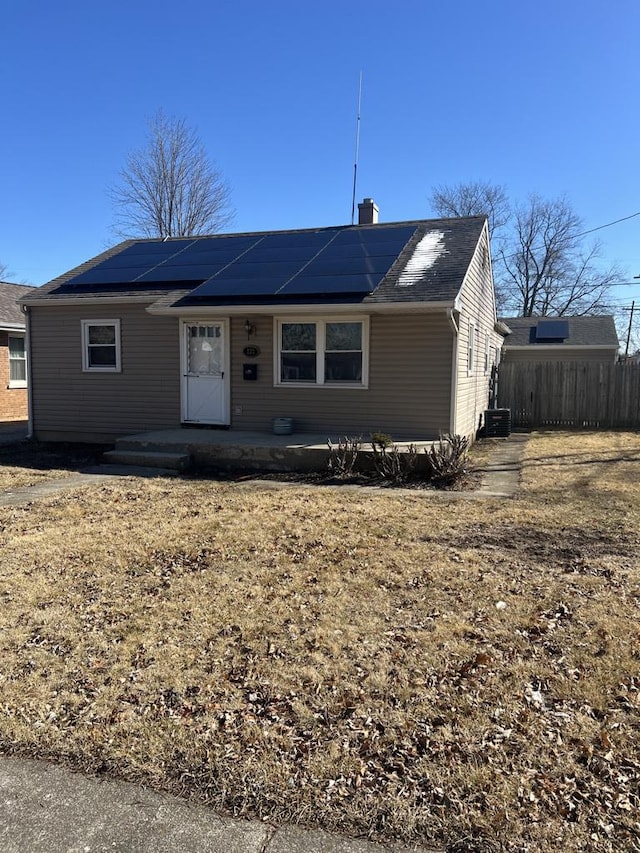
[558, 347]
[453, 315]
[27, 346]
[305, 308]
[111, 299]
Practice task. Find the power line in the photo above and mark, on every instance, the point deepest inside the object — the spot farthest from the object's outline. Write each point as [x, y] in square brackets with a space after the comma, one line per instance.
[609, 224]
[574, 237]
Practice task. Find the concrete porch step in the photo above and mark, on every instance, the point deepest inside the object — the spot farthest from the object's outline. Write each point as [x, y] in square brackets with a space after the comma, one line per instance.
[149, 458]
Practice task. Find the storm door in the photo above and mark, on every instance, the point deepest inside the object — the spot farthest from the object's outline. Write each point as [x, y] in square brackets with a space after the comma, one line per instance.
[205, 380]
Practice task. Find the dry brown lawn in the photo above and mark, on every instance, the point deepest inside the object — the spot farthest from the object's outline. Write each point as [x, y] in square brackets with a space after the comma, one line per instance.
[450, 672]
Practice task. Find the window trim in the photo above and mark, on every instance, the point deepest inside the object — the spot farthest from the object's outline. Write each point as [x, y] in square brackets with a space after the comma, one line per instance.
[17, 383]
[86, 366]
[487, 354]
[320, 324]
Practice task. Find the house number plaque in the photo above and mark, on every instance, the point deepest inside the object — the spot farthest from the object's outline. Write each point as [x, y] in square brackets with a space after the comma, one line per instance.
[251, 352]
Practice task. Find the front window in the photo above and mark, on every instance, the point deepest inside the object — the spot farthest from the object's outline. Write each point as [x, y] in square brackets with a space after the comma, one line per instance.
[322, 352]
[17, 362]
[298, 352]
[101, 345]
[343, 352]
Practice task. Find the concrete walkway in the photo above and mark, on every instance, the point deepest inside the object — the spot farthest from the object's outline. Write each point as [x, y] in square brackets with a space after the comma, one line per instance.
[501, 479]
[45, 808]
[93, 476]
[502, 476]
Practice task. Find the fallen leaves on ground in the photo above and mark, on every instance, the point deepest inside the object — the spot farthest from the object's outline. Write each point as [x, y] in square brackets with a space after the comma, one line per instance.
[455, 673]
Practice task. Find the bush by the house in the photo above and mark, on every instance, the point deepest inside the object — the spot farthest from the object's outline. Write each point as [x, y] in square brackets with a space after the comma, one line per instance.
[448, 459]
[343, 456]
[391, 463]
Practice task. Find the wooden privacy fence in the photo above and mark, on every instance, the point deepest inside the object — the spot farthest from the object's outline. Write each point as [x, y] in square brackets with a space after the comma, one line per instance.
[571, 394]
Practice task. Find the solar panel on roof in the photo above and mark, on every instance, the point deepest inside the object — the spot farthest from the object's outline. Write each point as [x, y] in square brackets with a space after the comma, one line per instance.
[552, 330]
[159, 247]
[223, 244]
[330, 260]
[310, 285]
[284, 239]
[348, 266]
[336, 261]
[118, 275]
[237, 287]
[376, 235]
[190, 272]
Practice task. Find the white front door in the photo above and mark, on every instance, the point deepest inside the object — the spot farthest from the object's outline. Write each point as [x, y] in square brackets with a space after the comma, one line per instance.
[205, 373]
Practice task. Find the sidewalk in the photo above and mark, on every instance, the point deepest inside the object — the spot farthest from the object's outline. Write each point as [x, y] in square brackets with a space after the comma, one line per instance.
[501, 479]
[45, 808]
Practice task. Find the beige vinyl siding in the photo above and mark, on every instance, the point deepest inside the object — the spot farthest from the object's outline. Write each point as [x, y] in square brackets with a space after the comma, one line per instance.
[408, 396]
[565, 353]
[91, 406]
[477, 306]
[409, 383]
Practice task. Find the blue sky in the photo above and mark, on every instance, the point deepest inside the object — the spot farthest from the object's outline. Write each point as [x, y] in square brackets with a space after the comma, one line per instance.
[539, 97]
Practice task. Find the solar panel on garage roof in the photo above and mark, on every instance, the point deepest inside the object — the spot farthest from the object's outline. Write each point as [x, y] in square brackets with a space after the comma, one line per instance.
[547, 330]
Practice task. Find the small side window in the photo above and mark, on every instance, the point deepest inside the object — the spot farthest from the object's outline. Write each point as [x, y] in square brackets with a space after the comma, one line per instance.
[471, 348]
[101, 346]
[17, 362]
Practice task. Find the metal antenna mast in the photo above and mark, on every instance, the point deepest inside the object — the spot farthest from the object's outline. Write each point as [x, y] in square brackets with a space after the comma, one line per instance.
[355, 165]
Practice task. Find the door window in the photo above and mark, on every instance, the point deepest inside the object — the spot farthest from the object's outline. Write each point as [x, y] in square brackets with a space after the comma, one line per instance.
[205, 350]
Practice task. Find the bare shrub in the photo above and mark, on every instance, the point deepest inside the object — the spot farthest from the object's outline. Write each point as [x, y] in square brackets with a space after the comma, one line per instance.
[343, 456]
[448, 459]
[391, 462]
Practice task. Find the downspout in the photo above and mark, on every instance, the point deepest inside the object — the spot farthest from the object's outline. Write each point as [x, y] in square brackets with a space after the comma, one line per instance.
[452, 315]
[27, 344]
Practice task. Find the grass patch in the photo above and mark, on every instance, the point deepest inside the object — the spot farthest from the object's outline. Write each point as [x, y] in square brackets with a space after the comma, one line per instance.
[441, 672]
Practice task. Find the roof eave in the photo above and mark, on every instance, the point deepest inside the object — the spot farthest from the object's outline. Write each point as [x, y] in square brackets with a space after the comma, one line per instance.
[316, 308]
[86, 300]
[530, 347]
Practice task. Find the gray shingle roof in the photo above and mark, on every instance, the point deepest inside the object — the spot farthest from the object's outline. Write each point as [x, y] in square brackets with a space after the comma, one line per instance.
[10, 313]
[583, 331]
[430, 267]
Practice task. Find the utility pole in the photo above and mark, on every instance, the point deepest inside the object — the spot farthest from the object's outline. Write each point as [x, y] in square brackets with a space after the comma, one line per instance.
[626, 349]
[633, 305]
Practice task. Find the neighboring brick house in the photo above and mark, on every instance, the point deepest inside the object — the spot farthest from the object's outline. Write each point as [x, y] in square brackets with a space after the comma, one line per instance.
[13, 354]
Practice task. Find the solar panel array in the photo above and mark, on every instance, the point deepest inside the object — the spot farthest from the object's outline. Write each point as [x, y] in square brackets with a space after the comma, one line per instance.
[296, 263]
[552, 330]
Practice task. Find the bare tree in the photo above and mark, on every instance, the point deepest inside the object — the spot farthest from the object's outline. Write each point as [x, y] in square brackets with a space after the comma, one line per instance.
[170, 188]
[541, 265]
[473, 199]
[546, 269]
[3, 271]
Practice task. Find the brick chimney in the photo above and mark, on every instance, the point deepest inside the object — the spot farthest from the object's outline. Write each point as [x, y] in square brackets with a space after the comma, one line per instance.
[368, 212]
